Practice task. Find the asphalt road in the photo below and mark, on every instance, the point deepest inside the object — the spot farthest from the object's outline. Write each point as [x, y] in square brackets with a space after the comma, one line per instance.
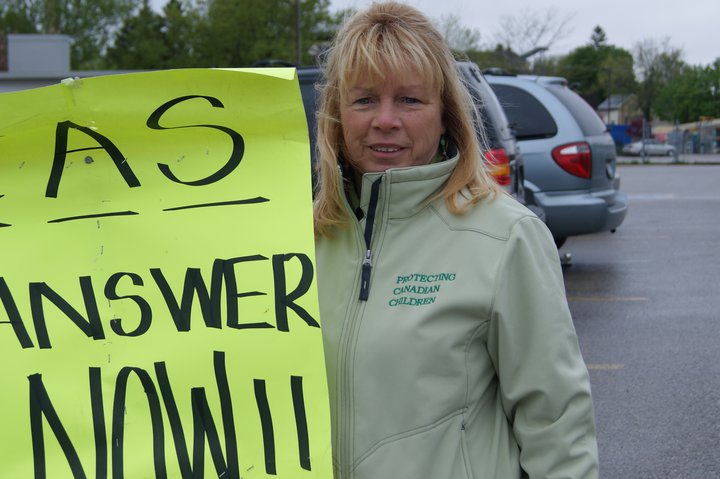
[646, 305]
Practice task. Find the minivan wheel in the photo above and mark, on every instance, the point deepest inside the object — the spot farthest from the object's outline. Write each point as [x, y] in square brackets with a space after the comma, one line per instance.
[560, 241]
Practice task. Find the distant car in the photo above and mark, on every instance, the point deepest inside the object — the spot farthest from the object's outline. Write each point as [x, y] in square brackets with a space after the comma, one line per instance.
[652, 147]
[503, 156]
[569, 157]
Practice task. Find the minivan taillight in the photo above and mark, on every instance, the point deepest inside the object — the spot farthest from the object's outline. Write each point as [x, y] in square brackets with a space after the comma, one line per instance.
[575, 158]
[498, 165]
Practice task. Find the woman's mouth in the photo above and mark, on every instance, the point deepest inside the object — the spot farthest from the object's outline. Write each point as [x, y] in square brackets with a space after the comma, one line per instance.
[385, 149]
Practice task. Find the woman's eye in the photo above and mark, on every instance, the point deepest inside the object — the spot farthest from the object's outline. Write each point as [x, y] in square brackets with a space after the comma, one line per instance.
[410, 100]
[361, 101]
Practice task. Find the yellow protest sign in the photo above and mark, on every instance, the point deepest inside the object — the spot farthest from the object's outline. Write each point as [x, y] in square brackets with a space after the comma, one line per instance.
[158, 311]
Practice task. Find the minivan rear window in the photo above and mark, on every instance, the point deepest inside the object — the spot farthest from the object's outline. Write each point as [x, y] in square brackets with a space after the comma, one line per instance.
[482, 111]
[528, 117]
[589, 121]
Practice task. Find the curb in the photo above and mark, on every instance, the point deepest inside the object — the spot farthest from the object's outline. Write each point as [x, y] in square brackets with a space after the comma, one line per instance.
[665, 160]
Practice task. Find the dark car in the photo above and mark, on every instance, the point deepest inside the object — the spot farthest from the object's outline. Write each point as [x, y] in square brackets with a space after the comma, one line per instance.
[569, 156]
[503, 156]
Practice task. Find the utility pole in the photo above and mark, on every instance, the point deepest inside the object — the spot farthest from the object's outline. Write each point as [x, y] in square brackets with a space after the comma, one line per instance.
[52, 16]
[298, 38]
[3, 51]
[643, 154]
[609, 94]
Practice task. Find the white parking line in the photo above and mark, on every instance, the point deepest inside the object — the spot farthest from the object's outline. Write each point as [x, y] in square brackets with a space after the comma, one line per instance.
[607, 298]
[638, 237]
[669, 197]
[651, 196]
[605, 367]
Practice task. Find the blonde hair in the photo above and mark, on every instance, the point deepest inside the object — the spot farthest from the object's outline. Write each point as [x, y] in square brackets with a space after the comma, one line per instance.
[395, 35]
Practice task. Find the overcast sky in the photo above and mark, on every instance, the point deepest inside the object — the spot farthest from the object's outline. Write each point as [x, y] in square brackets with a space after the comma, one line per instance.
[693, 25]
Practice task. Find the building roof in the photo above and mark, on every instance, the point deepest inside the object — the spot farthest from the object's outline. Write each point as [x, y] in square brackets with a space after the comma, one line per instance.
[614, 102]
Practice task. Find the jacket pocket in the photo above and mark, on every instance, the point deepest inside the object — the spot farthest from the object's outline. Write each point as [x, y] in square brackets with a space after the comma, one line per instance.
[430, 453]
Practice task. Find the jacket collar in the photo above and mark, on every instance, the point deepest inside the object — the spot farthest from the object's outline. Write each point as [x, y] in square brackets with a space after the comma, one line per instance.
[405, 191]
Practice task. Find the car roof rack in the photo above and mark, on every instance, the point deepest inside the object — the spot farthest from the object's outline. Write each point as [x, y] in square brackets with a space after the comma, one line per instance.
[497, 71]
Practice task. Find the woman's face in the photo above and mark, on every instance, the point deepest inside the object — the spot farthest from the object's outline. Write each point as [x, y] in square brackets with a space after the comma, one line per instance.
[392, 123]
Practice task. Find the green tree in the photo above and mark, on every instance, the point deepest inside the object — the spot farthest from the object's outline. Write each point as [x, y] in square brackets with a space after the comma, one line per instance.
[91, 23]
[616, 75]
[15, 18]
[179, 30]
[597, 69]
[691, 95]
[598, 38]
[657, 65]
[501, 57]
[140, 42]
[547, 65]
[150, 40]
[580, 67]
[233, 33]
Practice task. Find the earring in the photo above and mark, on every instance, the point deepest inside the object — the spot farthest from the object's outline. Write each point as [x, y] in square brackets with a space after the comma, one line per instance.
[443, 146]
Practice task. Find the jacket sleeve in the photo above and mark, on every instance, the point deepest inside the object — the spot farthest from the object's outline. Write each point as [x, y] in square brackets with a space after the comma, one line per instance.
[544, 383]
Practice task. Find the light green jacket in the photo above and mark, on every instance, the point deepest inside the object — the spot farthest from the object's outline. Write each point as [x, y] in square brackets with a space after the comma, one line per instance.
[463, 363]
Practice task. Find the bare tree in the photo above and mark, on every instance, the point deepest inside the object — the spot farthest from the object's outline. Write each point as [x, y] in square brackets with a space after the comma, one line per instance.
[657, 57]
[657, 64]
[533, 32]
[459, 37]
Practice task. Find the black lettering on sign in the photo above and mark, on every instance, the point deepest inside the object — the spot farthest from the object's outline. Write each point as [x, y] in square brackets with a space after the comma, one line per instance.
[3, 225]
[92, 326]
[267, 425]
[301, 421]
[41, 406]
[226, 268]
[13, 314]
[94, 216]
[204, 425]
[228, 417]
[248, 201]
[285, 300]
[176, 427]
[181, 313]
[145, 310]
[99, 429]
[61, 151]
[223, 287]
[238, 148]
[266, 422]
[118, 422]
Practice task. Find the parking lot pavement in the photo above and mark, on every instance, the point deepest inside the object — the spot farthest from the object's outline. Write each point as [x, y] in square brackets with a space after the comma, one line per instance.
[683, 159]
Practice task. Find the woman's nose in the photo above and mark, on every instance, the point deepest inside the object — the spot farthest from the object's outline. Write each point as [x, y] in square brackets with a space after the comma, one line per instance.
[386, 117]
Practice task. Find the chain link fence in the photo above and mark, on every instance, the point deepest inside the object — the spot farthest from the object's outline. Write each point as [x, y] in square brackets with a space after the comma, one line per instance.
[702, 139]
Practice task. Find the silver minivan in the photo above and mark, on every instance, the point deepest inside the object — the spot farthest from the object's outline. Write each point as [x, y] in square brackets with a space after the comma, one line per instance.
[569, 157]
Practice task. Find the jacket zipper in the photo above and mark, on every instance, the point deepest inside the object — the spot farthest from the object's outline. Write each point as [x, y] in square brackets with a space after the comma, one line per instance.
[345, 419]
[369, 225]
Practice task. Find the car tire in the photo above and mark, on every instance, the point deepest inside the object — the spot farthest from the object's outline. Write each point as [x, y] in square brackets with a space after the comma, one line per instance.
[670, 153]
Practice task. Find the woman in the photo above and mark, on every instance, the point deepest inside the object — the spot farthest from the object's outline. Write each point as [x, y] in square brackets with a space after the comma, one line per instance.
[450, 349]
